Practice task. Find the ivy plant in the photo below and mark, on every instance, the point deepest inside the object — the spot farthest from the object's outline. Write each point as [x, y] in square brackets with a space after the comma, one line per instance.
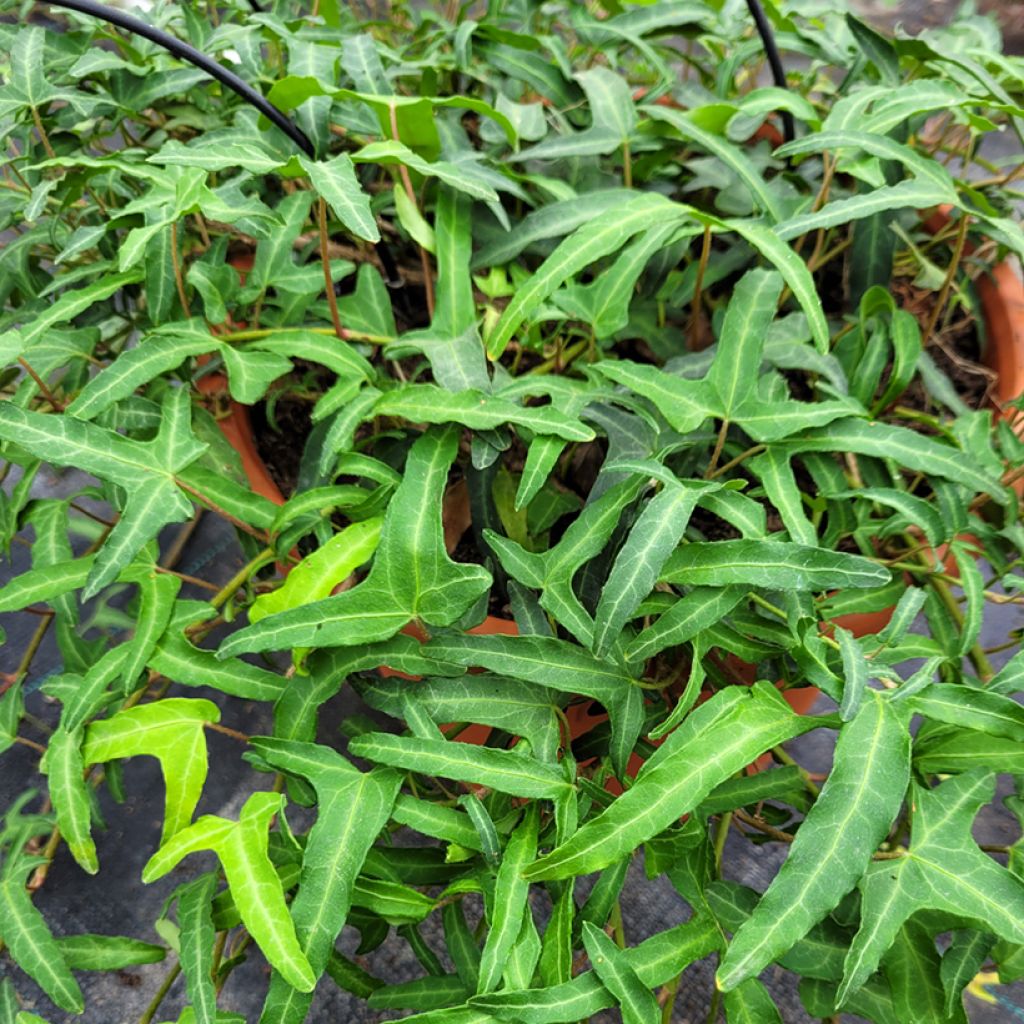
[627, 447]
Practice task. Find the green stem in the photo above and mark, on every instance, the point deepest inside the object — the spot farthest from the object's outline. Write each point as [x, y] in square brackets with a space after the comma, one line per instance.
[161, 993]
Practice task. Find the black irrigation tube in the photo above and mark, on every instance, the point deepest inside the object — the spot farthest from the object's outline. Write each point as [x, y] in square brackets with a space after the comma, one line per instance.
[774, 61]
[225, 77]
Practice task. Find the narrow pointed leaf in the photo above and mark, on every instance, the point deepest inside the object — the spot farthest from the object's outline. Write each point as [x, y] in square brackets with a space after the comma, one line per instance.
[411, 577]
[655, 961]
[752, 308]
[774, 564]
[558, 665]
[589, 243]
[353, 807]
[509, 903]
[32, 946]
[65, 768]
[721, 736]
[833, 848]
[195, 919]
[634, 999]
[655, 535]
[507, 771]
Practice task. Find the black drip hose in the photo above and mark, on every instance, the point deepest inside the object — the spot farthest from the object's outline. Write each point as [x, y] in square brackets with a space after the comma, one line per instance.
[225, 77]
[774, 61]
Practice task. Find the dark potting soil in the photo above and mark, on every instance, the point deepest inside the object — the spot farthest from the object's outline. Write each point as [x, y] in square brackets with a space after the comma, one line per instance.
[955, 348]
[280, 431]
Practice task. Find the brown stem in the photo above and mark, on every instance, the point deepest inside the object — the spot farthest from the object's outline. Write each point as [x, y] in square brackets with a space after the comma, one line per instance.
[43, 137]
[179, 279]
[719, 445]
[705, 253]
[947, 284]
[332, 299]
[42, 385]
[223, 513]
[233, 733]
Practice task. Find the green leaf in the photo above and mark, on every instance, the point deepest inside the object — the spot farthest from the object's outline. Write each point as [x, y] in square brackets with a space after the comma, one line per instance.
[242, 849]
[654, 536]
[588, 244]
[750, 1003]
[426, 993]
[251, 372]
[792, 268]
[607, 299]
[323, 349]
[655, 961]
[64, 766]
[461, 944]
[905, 447]
[968, 950]
[912, 968]
[146, 470]
[517, 707]
[195, 920]
[685, 404]
[172, 731]
[444, 823]
[352, 808]
[12, 707]
[508, 771]
[32, 946]
[553, 220]
[66, 308]
[336, 181]
[751, 310]
[779, 480]
[855, 674]
[733, 156]
[107, 952]
[968, 708]
[942, 870]
[916, 511]
[411, 577]
[509, 902]
[833, 848]
[390, 151]
[557, 665]
[427, 403]
[699, 609]
[177, 659]
[319, 573]
[719, 738]
[777, 565]
[634, 999]
[157, 593]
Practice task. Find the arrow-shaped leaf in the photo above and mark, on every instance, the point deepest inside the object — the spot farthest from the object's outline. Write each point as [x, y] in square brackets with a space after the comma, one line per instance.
[255, 888]
[942, 870]
[411, 577]
[858, 803]
[718, 739]
[352, 808]
[172, 731]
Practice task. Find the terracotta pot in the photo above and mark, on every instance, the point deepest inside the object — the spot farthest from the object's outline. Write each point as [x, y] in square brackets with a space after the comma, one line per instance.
[1001, 294]
[236, 425]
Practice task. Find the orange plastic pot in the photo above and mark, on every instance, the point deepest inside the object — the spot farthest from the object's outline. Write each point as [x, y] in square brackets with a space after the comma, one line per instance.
[235, 424]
